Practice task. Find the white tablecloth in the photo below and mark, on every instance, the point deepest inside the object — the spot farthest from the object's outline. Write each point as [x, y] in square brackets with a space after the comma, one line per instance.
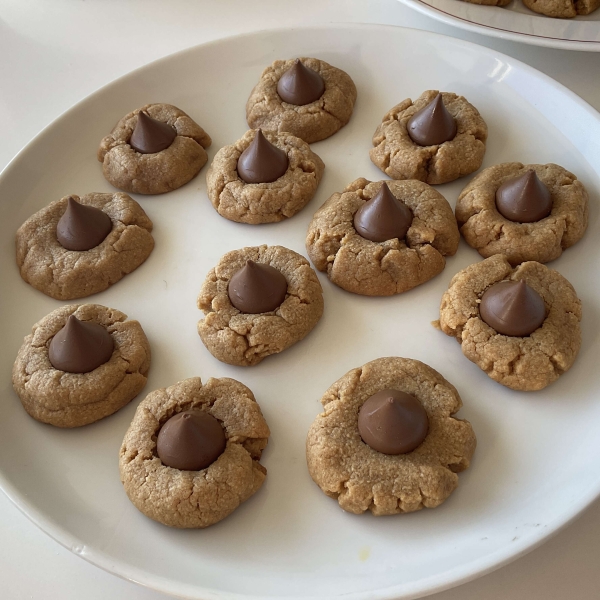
[56, 52]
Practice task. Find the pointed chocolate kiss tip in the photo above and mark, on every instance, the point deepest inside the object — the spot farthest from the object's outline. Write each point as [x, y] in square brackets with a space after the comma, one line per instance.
[524, 199]
[80, 346]
[261, 161]
[82, 227]
[432, 125]
[257, 288]
[383, 217]
[150, 135]
[512, 308]
[300, 85]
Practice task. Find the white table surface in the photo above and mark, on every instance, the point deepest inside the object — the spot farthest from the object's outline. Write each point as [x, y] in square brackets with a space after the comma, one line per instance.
[53, 53]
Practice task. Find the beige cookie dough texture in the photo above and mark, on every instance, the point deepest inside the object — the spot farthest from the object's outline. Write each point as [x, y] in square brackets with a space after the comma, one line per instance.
[361, 478]
[162, 171]
[371, 268]
[521, 363]
[489, 2]
[246, 339]
[562, 9]
[486, 230]
[195, 499]
[399, 157]
[67, 274]
[256, 203]
[311, 122]
[75, 399]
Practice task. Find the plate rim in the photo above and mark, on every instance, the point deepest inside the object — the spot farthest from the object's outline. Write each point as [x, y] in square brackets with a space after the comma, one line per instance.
[448, 18]
[426, 586]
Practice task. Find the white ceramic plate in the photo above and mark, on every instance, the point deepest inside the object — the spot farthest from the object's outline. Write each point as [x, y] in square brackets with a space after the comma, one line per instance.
[536, 464]
[516, 22]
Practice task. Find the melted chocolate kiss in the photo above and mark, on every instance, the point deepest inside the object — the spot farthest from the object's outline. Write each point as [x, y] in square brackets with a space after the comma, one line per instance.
[190, 441]
[392, 422]
[383, 217]
[257, 288]
[512, 308]
[150, 135]
[80, 346]
[261, 161]
[524, 199]
[82, 227]
[300, 85]
[432, 125]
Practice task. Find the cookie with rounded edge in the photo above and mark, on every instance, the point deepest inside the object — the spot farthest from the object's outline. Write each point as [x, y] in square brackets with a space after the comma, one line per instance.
[255, 203]
[311, 122]
[486, 230]
[245, 339]
[562, 9]
[370, 268]
[396, 154]
[65, 399]
[361, 478]
[195, 499]
[67, 274]
[521, 363]
[158, 172]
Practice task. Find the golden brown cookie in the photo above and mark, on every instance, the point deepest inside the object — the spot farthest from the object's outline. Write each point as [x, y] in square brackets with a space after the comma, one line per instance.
[311, 122]
[244, 339]
[370, 268]
[399, 157]
[521, 363]
[67, 274]
[361, 478]
[75, 399]
[195, 499]
[255, 203]
[562, 9]
[158, 172]
[486, 230]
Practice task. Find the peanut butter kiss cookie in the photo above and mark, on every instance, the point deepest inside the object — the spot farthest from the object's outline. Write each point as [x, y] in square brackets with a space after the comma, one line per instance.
[388, 440]
[438, 138]
[306, 97]
[525, 212]
[80, 364]
[520, 326]
[258, 301]
[154, 149]
[80, 246]
[562, 9]
[382, 238]
[191, 454]
[263, 178]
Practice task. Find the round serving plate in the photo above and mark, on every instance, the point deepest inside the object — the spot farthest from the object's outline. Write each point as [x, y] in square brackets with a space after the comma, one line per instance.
[535, 467]
[516, 22]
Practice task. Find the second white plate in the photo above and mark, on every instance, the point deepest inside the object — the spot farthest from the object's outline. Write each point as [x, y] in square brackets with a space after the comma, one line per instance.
[535, 467]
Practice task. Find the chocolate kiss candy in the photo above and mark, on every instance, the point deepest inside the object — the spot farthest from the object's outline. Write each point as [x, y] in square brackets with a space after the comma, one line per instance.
[261, 161]
[392, 422]
[150, 135]
[300, 85]
[432, 125]
[524, 199]
[383, 217]
[257, 288]
[80, 346]
[512, 308]
[190, 441]
[82, 227]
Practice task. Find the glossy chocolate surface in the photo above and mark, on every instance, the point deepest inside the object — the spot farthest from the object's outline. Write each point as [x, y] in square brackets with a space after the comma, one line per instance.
[512, 308]
[150, 136]
[383, 217]
[300, 85]
[261, 161]
[393, 422]
[524, 199]
[82, 227]
[432, 125]
[257, 288]
[80, 346]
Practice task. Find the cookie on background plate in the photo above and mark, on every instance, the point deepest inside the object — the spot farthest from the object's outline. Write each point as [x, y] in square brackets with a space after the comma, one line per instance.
[388, 440]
